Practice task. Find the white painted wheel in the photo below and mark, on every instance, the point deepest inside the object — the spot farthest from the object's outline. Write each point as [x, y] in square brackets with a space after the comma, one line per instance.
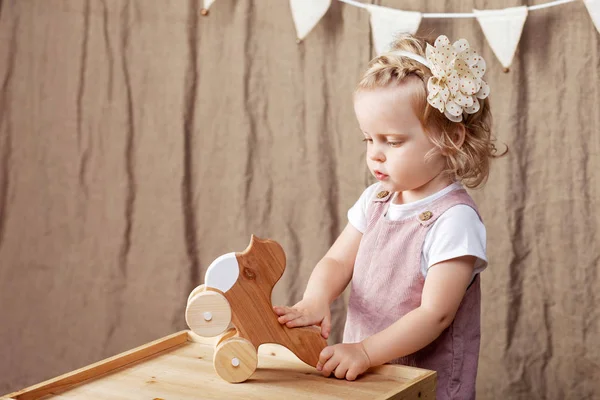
[235, 360]
[208, 313]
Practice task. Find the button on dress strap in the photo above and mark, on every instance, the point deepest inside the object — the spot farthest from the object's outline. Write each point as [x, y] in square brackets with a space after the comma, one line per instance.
[382, 196]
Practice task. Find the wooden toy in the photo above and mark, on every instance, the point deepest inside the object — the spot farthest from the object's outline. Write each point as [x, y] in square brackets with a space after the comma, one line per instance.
[235, 302]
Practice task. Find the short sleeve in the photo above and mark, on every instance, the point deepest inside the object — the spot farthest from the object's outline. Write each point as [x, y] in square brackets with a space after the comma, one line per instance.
[456, 233]
[357, 214]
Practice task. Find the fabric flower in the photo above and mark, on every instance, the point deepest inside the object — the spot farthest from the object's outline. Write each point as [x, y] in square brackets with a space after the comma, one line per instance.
[456, 85]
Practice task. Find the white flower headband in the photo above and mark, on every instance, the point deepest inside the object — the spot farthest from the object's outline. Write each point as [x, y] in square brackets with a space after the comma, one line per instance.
[456, 85]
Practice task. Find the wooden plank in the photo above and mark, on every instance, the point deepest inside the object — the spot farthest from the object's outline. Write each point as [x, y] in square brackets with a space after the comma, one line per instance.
[92, 371]
[396, 370]
[421, 388]
[186, 371]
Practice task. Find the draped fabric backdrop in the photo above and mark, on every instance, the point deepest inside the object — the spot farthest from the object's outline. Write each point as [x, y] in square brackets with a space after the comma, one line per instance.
[139, 141]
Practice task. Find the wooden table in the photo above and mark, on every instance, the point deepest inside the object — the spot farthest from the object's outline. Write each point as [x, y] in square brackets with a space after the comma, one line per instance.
[180, 366]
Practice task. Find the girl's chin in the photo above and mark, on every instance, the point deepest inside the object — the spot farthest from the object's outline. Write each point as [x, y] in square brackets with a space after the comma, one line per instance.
[389, 186]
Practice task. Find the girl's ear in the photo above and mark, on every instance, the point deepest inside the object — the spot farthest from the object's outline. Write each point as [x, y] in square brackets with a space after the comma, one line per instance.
[459, 135]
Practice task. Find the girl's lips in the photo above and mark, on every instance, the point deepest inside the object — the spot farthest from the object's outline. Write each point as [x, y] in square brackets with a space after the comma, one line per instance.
[380, 176]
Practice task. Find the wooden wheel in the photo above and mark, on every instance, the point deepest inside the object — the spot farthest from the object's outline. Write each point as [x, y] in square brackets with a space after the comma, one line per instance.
[194, 292]
[235, 360]
[231, 332]
[208, 313]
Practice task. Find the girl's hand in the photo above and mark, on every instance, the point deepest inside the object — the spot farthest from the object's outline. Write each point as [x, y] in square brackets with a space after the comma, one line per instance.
[346, 360]
[312, 311]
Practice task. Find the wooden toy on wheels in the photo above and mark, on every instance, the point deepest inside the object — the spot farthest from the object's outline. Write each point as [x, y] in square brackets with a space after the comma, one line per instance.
[235, 302]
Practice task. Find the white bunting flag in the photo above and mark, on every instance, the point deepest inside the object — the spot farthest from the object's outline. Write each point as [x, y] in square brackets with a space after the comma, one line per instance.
[307, 14]
[593, 7]
[387, 23]
[502, 29]
[208, 3]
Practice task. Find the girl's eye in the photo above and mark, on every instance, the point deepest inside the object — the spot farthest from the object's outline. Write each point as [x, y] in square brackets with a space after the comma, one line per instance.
[394, 144]
[367, 140]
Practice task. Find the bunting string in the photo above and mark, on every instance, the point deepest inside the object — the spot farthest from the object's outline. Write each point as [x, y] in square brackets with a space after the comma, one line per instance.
[462, 15]
[502, 28]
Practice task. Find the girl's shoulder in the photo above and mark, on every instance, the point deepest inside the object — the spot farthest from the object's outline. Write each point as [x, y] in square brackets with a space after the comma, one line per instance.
[370, 192]
[368, 195]
[357, 215]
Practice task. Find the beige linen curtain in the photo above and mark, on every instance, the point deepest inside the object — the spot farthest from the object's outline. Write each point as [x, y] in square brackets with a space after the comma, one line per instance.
[139, 141]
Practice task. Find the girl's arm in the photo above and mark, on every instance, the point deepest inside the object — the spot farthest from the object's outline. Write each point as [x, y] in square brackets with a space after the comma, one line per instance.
[327, 281]
[333, 273]
[444, 289]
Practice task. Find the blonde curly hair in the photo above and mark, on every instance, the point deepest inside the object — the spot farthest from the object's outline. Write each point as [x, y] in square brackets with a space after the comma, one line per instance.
[469, 161]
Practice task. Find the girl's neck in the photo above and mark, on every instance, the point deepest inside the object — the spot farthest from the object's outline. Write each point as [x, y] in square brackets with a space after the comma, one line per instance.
[436, 184]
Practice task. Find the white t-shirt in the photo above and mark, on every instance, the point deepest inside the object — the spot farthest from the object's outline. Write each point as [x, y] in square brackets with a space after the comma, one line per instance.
[457, 232]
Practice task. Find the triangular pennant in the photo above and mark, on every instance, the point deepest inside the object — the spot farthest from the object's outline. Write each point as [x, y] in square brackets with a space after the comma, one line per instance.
[502, 29]
[208, 3]
[307, 14]
[386, 23]
[593, 7]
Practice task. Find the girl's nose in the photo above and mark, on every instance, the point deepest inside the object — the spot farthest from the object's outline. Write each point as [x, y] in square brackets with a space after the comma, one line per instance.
[376, 153]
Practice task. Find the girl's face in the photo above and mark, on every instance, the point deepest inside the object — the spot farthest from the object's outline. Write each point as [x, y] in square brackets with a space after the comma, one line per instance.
[396, 141]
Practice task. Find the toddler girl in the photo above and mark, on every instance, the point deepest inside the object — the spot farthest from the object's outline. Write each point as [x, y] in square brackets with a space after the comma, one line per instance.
[414, 246]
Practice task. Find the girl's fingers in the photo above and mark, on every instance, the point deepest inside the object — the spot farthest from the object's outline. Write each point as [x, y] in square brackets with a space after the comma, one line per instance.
[330, 366]
[293, 317]
[302, 320]
[352, 374]
[289, 317]
[285, 314]
[293, 322]
[281, 310]
[340, 371]
[325, 355]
